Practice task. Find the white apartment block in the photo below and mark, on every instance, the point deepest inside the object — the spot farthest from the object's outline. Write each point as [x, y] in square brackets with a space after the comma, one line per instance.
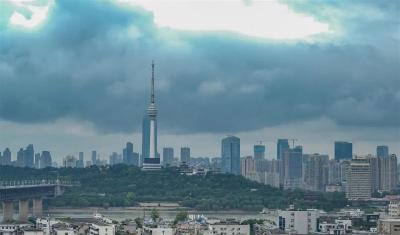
[301, 222]
[394, 209]
[101, 229]
[227, 228]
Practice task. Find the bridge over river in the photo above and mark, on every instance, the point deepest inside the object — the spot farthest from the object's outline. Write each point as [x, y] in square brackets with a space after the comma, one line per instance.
[25, 190]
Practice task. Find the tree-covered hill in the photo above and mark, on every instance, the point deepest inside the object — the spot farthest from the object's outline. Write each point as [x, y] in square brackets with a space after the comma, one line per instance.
[122, 185]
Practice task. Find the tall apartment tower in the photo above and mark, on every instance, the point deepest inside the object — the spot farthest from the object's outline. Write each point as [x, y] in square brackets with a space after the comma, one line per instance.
[81, 161]
[45, 159]
[292, 168]
[94, 157]
[168, 156]
[6, 157]
[358, 184]
[315, 171]
[185, 155]
[230, 154]
[248, 168]
[29, 154]
[388, 173]
[20, 158]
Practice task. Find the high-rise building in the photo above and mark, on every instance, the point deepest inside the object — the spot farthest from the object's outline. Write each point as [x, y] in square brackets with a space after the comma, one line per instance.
[6, 157]
[152, 161]
[259, 152]
[127, 153]
[271, 174]
[45, 159]
[168, 156]
[20, 158]
[259, 157]
[315, 171]
[129, 157]
[382, 151]
[81, 160]
[293, 167]
[358, 183]
[114, 158]
[29, 155]
[343, 150]
[282, 146]
[374, 164]
[334, 172]
[248, 168]
[230, 153]
[94, 158]
[185, 155]
[69, 161]
[388, 173]
[37, 160]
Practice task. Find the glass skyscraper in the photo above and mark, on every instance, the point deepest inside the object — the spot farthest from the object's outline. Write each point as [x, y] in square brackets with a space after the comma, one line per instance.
[259, 152]
[382, 151]
[230, 154]
[281, 147]
[29, 154]
[343, 150]
[168, 156]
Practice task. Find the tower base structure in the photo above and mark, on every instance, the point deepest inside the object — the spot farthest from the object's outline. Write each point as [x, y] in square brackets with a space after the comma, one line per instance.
[150, 164]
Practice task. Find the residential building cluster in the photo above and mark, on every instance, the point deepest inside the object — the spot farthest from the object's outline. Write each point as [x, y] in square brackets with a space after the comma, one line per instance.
[358, 176]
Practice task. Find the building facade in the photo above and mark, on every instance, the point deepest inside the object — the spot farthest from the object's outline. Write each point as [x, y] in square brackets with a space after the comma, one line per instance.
[358, 184]
[343, 150]
[185, 155]
[230, 155]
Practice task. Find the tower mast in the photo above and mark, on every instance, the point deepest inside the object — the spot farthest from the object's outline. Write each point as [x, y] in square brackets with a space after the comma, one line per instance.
[152, 82]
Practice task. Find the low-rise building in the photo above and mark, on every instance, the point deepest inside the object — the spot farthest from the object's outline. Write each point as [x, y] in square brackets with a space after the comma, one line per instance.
[229, 228]
[338, 227]
[100, 228]
[30, 231]
[301, 222]
[394, 209]
[389, 226]
[158, 231]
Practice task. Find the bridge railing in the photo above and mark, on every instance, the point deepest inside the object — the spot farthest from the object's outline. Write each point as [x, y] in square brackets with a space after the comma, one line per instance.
[43, 182]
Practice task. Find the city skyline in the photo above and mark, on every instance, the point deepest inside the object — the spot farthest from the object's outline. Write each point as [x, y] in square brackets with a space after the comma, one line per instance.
[215, 79]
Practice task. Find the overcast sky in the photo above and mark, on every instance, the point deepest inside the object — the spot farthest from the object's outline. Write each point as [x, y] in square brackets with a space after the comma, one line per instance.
[74, 75]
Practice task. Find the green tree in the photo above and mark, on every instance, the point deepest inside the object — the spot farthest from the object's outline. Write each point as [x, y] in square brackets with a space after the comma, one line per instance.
[181, 216]
[155, 215]
[139, 222]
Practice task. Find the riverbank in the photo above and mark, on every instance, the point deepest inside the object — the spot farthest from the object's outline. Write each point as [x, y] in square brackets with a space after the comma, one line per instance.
[168, 213]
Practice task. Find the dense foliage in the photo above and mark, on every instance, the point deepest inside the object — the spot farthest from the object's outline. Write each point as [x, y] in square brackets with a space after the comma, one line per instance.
[122, 185]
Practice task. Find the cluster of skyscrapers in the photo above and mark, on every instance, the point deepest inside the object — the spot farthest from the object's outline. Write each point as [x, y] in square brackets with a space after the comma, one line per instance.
[26, 158]
[358, 176]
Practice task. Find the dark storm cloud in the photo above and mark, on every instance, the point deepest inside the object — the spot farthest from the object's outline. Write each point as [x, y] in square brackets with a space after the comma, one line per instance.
[91, 62]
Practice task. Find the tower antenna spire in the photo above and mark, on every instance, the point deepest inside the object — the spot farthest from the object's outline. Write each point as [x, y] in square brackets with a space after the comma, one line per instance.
[152, 82]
